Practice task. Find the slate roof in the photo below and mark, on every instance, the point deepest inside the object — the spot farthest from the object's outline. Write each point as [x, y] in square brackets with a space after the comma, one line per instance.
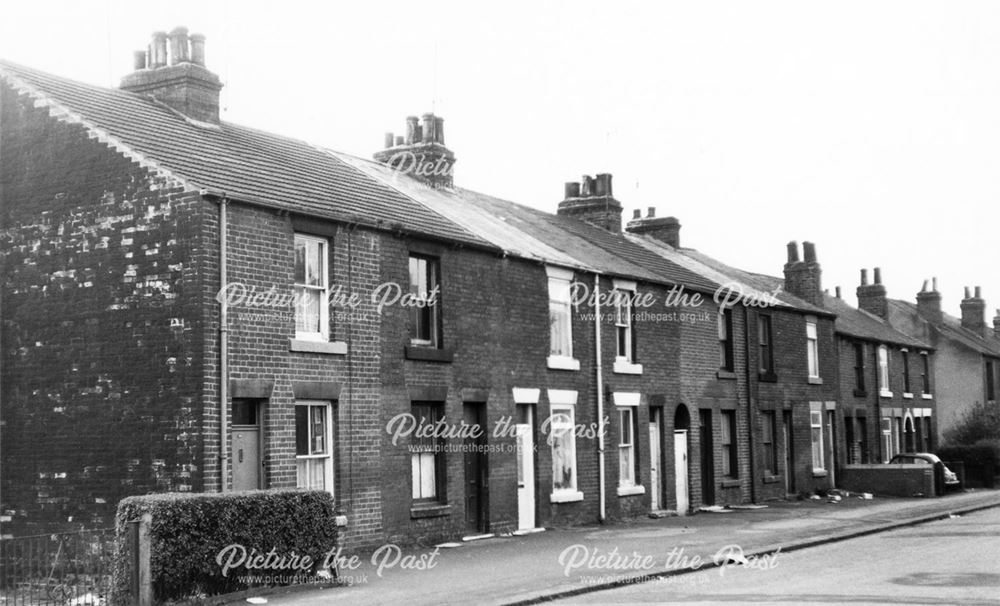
[951, 328]
[855, 322]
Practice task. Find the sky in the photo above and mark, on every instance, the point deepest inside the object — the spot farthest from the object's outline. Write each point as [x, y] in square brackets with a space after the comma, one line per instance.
[869, 128]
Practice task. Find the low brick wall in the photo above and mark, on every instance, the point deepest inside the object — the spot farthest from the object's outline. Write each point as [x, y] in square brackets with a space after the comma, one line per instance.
[888, 480]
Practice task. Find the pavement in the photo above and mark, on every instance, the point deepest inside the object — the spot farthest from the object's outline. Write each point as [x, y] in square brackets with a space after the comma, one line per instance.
[567, 562]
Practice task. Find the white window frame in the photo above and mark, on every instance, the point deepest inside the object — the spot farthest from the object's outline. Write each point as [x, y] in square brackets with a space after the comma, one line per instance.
[428, 284]
[812, 348]
[322, 290]
[309, 405]
[562, 424]
[560, 282]
[926, 383]
[626, 447]
[730, 456]
[904, 355]
[884, 360]
[624, 296]
[420, 453]
[886, 426]
[816, 439]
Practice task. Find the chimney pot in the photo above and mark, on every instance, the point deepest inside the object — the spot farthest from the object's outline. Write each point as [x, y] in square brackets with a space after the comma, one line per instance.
[602, 183]
[428, 133]
[197, 49]
[979, 292]
[433, 164]
[158, 50]
[412, 124]
[934, 285]
[637, 214]
[808, 252]
[968, 293]
[878, 275]
[924, 287]
[837, 290]
[572, 189]
[651, 212]
[864, 277]
[388, 140]
[139, 59]
[399, 139]
[439, 130]
[793, 252]
[179, 46]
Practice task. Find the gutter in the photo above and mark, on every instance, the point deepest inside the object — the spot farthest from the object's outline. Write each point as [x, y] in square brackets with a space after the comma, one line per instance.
[600, 396]
[223, 202]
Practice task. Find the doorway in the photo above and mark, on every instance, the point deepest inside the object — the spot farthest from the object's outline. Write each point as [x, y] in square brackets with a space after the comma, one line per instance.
[245, 447]
[787, 435]
[707, 457]
[682, 425]
[655, 458]
[476, 469]
[525, 433]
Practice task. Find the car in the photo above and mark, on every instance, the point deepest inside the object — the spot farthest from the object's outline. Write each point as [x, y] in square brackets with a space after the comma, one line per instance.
[946, 476]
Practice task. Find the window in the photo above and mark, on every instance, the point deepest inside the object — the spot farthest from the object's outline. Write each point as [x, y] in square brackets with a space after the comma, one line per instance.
[725, 318]
[859, 367]
[730, 467]
[767, 440]
[883, 371]
[425, 287]
[906, 372]
[311, 288]
[623, 325]
[626, 447]
[313, 452]
[427, 454]
[886, 439]
[765, 340]
[560, 320]
[816, 431]
[925, 374]
[862, 437]
[991, 383]
[563, 440]
[812, 349]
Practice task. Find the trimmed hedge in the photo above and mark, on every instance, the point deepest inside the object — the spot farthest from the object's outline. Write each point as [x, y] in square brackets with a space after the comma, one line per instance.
[981, 460]
[189, 531]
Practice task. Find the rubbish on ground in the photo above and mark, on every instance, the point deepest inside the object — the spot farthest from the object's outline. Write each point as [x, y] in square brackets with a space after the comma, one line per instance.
[257, 600]
[449, 545]
[867, 496]
[816, 497]
[834, 498]
[952, 516]
[715, 509]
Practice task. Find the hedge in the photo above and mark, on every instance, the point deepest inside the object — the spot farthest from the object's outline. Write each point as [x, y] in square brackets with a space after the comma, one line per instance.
[981, 460]
[189, 531]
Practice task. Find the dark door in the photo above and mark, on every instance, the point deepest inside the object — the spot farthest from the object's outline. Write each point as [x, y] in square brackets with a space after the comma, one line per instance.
[786, 427]
[707, 458]
[245, 453]
[476, 470]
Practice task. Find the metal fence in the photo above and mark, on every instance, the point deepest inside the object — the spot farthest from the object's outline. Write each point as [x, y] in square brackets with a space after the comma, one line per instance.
[68, 569]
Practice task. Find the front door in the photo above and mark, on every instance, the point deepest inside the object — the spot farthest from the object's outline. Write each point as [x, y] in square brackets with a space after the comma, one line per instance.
[476, 469]
[525, 476]
[655, 470]
[681, 471]
[707, 458]
[245, 450]
[786, 430]
[831, 431]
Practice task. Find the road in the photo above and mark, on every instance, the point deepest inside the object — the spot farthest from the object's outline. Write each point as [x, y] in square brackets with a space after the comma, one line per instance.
[951, 561]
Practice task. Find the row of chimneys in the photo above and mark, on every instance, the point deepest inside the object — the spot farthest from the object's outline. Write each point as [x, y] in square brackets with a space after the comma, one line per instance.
[172, 70]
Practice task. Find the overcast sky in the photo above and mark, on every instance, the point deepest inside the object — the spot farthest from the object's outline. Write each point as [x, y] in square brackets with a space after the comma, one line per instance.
[869, 128]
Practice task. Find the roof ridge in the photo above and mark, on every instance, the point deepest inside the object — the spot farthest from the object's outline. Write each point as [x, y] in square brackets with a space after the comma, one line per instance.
[63, 114]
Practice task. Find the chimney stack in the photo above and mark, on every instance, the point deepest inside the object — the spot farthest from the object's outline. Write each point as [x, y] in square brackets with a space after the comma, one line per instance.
[974, 311]
[592, 200]
[179, 80]
[929, 303]
[804, 278]
[664, 229]
[421, 154]
[996, 325]
[871, 297]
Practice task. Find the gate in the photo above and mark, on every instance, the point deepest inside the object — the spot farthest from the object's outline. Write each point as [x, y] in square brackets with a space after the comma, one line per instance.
[68, 569]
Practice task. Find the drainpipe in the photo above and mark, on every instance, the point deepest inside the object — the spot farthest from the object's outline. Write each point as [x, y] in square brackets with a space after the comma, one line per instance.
[223, 351]
[600, 391]
[750, 402]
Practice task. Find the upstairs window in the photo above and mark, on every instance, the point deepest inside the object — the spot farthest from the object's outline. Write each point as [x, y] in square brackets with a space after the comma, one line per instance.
[991, 381]
[859, 367]
[765, 341]
[311, 288]
[812, 349]
[883, 371]
[561, 319]
[906, 372]
[425, 286]
[925, 374]
[624, 330]
[725, 318]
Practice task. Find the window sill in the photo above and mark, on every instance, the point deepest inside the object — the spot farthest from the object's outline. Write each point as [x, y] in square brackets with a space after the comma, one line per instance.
[563, 363]
[770, 479]
[628, 491]
[566, 496]
[727, 375]
[338, 348]
[884, 393]
[860, 393]
[907, 395]
[927, 396]
[430, 510]
[819, 473]
[731, 483]
[624, 367]
[767, 377]
[815, 380]
[428, 354]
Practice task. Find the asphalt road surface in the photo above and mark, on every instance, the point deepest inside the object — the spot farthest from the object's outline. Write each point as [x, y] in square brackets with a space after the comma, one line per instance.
[951, 561]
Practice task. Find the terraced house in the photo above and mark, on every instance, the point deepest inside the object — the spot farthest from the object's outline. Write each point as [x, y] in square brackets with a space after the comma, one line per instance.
[193, 305]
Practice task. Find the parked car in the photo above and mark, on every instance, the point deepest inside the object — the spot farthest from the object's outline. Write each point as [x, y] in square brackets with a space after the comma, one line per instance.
[944, 478]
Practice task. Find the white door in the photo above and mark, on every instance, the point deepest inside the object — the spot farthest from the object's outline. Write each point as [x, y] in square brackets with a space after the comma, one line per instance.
[654, 465]
[681, 470]
[525, 477]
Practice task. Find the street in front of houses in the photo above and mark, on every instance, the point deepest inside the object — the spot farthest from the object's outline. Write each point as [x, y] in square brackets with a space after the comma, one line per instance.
[578, 564]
